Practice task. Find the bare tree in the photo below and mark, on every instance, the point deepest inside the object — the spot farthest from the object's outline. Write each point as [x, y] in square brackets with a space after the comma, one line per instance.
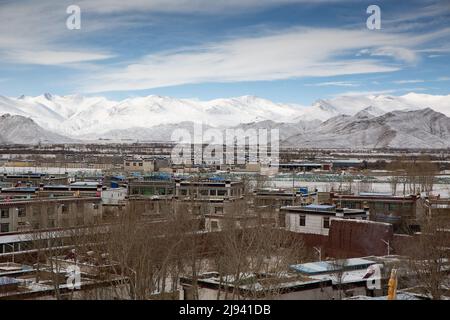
[429, 255]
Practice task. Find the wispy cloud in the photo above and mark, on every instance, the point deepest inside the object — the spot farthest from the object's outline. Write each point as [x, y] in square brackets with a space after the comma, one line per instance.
[333, 83]
[46, 57]
[409, 81]
[444, 79]
[189, 6]
[293, 53]
[398, 53]
[364, 93]
[36, 33]
[380, 92]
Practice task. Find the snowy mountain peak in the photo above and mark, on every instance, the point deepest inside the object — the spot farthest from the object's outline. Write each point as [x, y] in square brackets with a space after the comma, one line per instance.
[76, 115]
[369, 112]
[48, 96]
[324, 106]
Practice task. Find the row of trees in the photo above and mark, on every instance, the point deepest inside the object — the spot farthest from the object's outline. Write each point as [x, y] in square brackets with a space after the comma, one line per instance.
[413, 175]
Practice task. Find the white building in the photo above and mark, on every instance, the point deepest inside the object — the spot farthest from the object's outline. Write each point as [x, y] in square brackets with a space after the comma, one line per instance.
[316, 219]
[114, 196]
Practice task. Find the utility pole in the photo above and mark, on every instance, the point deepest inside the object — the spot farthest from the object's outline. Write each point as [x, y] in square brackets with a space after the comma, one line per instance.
[293, 187]
[388, 247]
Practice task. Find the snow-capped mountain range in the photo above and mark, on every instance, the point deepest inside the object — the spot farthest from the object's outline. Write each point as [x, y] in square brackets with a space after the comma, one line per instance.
[362, 120]
[424, 128]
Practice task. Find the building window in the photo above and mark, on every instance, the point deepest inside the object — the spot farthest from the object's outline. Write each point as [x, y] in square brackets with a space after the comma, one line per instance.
[214, 225]
[302, 221]
[4, 227]
[140, 164]
[64, 208]
[221, 192]
[4, 214]
[326, 223]
[21, 212]
[393, 207]
[218, 210]
[134, 164]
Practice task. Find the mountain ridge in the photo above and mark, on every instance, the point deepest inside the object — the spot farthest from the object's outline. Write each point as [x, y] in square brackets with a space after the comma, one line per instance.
[150, 118]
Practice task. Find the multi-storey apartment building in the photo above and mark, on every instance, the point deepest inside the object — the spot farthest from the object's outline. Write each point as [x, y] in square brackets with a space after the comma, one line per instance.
[45, 213]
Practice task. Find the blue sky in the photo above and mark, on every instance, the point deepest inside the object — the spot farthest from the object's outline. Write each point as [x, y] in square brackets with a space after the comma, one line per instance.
[293, 51]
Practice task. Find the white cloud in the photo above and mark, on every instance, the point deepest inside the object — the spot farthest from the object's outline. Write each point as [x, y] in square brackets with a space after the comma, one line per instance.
[444, 79]
[379, 92]
[408, 81]
[296, 53]
[47, 57]
[188, 6]
[299, 52]
[334, 83]
[398, 53]
[36, 33]
[364, 93]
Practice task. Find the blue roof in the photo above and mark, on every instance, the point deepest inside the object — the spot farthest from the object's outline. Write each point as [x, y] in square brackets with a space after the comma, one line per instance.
[216, 178]
[28, 189]
[7, 280]
[158, 176]
[49, 186]
[320, 207]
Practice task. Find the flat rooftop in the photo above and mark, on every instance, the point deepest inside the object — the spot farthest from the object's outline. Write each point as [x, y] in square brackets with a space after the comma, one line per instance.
[323, 210]
[320, 267]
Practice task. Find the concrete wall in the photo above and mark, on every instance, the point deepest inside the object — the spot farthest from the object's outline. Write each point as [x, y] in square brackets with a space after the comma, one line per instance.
[356, 238]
